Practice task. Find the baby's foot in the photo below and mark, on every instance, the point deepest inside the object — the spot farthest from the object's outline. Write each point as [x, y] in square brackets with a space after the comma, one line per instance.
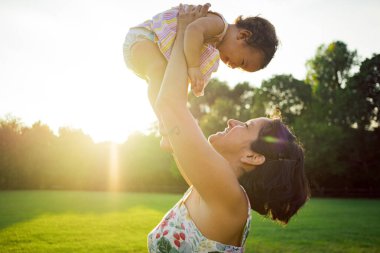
[165, 144]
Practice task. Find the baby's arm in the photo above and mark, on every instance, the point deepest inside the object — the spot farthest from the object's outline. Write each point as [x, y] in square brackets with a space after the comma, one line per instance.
[197, 33]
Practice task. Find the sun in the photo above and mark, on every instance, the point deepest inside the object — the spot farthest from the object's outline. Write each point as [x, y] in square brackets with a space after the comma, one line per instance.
[120, 123]
[117, 128]
[115, 114]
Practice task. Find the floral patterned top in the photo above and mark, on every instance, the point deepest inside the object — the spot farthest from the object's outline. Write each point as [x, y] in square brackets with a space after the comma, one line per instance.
[177, 233]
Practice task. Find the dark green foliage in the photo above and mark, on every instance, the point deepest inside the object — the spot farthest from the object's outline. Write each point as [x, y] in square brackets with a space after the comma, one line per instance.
[292, 96]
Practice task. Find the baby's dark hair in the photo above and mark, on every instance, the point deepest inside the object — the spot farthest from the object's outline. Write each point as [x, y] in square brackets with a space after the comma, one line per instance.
[263, 36]
[278, 187]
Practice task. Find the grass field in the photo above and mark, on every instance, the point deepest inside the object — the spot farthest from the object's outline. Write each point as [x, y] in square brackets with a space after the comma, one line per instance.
[42, 221]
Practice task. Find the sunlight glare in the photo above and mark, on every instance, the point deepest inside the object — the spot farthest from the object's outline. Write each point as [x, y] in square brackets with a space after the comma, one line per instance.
[114, 114]
[113, 177]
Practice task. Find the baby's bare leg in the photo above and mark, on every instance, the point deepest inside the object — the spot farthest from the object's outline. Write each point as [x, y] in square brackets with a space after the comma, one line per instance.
[150, 62]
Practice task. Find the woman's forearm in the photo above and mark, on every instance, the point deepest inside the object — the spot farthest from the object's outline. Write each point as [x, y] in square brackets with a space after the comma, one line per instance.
[174, 86]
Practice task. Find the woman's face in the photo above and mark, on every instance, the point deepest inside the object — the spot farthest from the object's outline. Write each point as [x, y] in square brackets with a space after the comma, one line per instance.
[238, 135]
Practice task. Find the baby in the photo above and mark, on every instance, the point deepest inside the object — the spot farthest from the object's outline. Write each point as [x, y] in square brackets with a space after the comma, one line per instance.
[248, 44]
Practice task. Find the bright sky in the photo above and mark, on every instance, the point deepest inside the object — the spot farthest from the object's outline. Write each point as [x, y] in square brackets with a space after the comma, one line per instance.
[61, 60]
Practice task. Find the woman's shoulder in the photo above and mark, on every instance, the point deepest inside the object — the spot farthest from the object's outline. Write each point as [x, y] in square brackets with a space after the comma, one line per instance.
[236, 211]
[233, 223]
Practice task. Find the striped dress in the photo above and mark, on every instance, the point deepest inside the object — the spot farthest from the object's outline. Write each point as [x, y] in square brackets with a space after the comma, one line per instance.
[164, 26]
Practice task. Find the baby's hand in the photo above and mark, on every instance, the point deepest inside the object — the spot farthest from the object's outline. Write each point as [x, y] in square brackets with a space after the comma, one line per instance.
[196, 80]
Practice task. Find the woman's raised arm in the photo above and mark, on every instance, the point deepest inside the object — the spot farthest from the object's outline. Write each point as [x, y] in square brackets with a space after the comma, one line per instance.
[207, 170]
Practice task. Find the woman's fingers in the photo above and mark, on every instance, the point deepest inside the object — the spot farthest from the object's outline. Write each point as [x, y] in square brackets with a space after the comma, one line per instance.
[189, 13]
[199, 10]
[180, 9]
[189, 8]
[204, 9]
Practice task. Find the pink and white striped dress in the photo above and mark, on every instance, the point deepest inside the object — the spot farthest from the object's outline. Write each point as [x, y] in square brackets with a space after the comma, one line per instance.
[164, 26]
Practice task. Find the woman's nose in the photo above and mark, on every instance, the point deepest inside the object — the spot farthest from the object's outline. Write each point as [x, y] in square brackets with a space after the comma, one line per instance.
[232, 122]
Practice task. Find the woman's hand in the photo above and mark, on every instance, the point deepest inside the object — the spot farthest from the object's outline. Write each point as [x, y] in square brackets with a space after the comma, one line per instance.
[189, 13]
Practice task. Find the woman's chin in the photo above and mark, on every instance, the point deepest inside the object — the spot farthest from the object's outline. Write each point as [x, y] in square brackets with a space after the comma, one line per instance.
[212, 137]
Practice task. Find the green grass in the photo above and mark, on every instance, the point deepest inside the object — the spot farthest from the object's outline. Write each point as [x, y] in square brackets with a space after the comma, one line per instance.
[42, 221]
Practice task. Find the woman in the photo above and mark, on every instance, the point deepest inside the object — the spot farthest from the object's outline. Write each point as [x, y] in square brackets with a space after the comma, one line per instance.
[255, 164]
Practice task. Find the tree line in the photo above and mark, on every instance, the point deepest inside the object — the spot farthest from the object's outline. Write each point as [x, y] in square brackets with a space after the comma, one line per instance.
[334, 112]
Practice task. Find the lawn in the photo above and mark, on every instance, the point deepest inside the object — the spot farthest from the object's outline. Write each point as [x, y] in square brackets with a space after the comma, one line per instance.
[64, 221]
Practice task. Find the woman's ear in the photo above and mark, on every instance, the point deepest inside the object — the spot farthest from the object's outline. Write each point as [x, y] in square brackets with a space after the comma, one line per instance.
[252, 158]
[244, 34]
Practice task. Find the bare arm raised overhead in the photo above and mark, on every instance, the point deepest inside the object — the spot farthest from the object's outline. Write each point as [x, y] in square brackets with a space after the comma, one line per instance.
[208, 171]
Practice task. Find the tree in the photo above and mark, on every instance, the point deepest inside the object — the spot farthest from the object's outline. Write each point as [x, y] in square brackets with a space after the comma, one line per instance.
[10, 138]
[221, 103]
[36, 156]
[201, 106]
[74, 159]
[145, 167]
[243, 96]
[292, 96]
[362, 96]
[329, 70]
[361, 101]
[222, 110]
[323, 145]
[328, 73]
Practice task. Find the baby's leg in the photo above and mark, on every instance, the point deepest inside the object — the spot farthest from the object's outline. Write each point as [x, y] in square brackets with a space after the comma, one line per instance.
[150, 62]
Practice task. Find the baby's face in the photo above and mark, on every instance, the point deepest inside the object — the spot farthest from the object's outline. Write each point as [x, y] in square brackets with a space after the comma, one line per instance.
[238, 54]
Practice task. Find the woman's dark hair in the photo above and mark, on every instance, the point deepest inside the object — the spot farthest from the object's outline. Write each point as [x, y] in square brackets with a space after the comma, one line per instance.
[278, 187]
[263, 36]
